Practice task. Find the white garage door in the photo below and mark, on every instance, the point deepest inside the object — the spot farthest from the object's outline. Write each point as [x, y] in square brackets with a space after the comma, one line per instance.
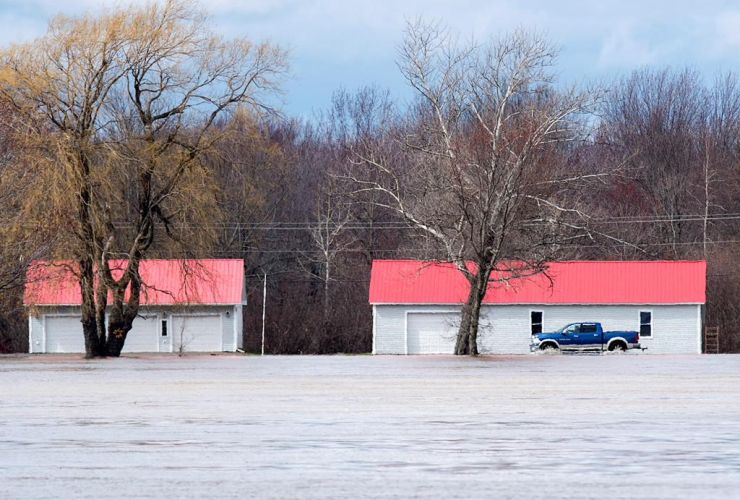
[431, 333]
[197, 333]
[143, 336]
[64, 334]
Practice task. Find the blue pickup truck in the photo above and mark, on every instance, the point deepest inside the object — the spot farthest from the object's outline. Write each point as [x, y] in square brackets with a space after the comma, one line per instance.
[585, 336]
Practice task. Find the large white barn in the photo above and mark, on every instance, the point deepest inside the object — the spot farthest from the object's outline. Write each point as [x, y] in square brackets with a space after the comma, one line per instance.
[416, 305]
[186, 305]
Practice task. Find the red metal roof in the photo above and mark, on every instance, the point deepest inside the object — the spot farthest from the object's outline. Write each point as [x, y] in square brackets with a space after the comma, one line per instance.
[573, 282]
[202, 281]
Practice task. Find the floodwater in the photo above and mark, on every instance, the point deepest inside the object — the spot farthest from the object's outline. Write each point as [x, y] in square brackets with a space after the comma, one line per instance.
[530, 427]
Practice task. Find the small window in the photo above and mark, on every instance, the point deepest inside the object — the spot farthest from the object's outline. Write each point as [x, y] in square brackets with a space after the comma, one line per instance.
[588, 328]
[646, 324]
[536, 317]
[164, 328]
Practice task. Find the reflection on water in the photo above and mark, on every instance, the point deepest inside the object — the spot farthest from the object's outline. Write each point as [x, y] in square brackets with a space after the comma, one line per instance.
[371, 427]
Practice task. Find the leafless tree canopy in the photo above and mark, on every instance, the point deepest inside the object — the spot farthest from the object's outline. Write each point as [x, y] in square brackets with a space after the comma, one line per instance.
[116, 112]
[484, 154]
[141, 132]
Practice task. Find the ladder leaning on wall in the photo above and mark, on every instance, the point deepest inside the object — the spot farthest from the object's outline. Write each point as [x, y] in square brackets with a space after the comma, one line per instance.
[711, 340]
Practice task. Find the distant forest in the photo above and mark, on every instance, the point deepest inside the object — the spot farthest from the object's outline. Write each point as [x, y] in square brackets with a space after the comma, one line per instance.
[656, 153]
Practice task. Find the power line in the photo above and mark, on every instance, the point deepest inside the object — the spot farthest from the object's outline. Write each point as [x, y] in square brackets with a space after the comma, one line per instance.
[393, 226]
[382, 225]
[692, 218]
[411, 250]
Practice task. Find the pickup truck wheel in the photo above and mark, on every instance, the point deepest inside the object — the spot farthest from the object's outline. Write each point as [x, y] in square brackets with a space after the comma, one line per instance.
[549, 348]
[617, 348]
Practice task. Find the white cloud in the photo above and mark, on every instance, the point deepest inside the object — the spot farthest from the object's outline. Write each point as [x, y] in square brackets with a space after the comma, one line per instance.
[624, 47]
[346, 30]
[726, 37]
[352, 42]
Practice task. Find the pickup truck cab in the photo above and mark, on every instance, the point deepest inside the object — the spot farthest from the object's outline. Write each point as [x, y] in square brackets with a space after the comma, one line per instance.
[585, 336]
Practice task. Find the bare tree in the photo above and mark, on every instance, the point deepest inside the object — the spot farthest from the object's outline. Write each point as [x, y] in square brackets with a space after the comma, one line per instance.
[657, 117]
[16, 248]
[482, 172]
[121, 108]
[330, 237]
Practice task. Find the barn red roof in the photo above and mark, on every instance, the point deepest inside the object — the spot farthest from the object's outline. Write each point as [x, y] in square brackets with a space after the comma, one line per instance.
[202, 281]
[573, 282]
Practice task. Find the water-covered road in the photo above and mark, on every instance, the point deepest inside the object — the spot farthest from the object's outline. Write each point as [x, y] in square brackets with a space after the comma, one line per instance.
[530, 427]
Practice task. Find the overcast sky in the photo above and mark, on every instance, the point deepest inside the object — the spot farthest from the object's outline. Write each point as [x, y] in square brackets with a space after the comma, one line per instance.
[349, 43]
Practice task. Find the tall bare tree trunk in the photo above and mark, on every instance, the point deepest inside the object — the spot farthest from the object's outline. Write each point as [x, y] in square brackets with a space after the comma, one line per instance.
[467, 335]
[94, 337]
[327, 299]
[93, 345]
[124, 310]
[118, 328]
[707, 200]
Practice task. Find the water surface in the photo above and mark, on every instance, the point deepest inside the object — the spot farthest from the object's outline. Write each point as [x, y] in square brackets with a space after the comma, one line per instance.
[534, 427]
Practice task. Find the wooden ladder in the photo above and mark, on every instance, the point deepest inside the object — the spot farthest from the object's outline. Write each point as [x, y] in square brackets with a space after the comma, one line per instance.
[711, 340]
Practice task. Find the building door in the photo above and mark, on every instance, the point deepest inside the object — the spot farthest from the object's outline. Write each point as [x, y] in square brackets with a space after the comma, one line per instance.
[63, 334]
[143, 335]
[165, 335]
[201, 333]
[431, 333]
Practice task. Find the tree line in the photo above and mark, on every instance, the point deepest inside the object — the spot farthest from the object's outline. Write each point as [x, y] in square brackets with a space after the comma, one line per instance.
[142, 133]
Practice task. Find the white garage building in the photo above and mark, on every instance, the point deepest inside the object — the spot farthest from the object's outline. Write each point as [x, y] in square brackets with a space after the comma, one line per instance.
[416, 305]
[188, 305]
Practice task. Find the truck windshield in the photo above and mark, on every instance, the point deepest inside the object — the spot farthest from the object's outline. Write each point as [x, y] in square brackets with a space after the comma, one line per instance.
[572, 328]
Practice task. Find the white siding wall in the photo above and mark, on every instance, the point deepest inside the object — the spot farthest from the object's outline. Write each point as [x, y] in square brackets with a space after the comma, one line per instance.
[506, 329]
[390, 326]
[224, 325]
[676, 329]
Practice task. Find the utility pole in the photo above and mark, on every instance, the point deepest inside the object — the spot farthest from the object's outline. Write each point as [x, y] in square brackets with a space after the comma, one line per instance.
[264, 305]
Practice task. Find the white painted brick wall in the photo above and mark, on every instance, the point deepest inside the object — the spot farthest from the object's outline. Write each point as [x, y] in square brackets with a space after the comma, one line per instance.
[506, 329]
